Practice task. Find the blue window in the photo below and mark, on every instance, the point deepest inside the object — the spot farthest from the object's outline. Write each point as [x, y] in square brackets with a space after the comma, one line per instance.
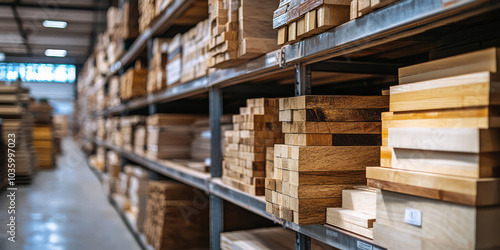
[35, 72]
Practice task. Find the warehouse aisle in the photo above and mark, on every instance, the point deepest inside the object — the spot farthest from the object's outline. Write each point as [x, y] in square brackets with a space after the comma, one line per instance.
[65, 209]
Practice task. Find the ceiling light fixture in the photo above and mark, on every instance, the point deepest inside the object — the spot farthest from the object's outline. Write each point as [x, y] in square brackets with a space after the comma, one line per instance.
[56, 52]
[54, 24]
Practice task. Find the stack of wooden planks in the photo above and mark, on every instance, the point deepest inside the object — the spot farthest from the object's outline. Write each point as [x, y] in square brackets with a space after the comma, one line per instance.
[169, 136]
[174, 61]
[133, 82]
[113, 98]
[157, 75]
[363, 7]
[113, 164]
[128, 27]
[147, 12]
[137, 191]
[195, 52]
[176, 216]
[129, 125]
[255, 128]
[298, 19]
[329, 141]
[357, 213]
[441, 141]
[140, 140]
[43, 139]
[98, 161]
[264, 239]
[223, 24]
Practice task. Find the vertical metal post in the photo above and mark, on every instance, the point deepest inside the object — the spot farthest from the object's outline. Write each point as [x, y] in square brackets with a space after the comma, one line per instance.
[216, 203]
[302, 87]
[152, 109]
[302, 79]
[150, 51]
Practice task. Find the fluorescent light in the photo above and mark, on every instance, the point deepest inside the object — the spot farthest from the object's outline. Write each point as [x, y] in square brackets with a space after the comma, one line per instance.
[54, 24]
[56, 52]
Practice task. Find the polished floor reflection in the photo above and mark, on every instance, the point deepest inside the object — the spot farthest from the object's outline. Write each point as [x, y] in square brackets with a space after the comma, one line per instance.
[65, 209]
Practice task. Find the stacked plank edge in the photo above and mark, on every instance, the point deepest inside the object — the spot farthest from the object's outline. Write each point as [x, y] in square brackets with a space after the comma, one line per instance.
[441, 151]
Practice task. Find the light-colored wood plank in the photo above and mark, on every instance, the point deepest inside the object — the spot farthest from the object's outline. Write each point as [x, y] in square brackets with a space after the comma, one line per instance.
[360, 201]
[350, 216]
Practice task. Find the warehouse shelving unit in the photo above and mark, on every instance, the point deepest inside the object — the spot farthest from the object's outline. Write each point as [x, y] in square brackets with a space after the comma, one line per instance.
[401, 20]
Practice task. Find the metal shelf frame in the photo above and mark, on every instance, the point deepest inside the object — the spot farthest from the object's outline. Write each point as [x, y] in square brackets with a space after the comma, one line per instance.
[402, 19]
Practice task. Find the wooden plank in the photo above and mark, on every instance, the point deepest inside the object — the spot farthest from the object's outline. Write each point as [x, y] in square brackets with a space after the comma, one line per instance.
[360, 201]
[325, 178]
[333, 102]
[331, 127]
[474, 192]
[292, 32]
[313, 191]
[350, 216]
[465, 140]
[308, 139]
[350, 227]
[331, 115]
[282, 35]
[330, 16]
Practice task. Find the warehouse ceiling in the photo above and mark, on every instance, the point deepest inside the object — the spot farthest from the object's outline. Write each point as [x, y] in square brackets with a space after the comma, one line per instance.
[23, 38]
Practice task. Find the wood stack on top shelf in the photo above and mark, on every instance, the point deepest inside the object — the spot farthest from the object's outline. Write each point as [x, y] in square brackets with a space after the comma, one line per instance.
[363, 7]
[329, 141]
[296, 19]
[133, 82]
[255, 128]
[441, 141]
[147, 12]
[157, 75]
[195, 52]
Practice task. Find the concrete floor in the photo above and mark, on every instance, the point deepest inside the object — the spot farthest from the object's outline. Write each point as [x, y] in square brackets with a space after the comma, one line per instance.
[64, 209]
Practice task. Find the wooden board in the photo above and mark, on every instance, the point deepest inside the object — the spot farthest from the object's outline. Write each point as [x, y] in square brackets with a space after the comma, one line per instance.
[331, 127]
[333, 102]
[366, 232]
[324, 178]
[313, 191]
[331, 115]
[350, 216]
[474, 192]
[360, 201]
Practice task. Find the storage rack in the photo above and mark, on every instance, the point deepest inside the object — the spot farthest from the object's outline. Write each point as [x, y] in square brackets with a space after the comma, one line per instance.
[401, 20]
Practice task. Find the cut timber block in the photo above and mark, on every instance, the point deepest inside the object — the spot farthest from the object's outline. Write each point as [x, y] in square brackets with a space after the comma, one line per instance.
[473, 192]
[308, 139]
[311, 23]
[478, 61]
[282, 35]
[464, 140]
[330, 115]
[364, 6]
[313, 191]
[301, 27]
[444, 225]
[350, 216]
[324, 178]
[471, 90]
[292, 32]
[334, 102]
[331, 127]
[360, 201]
[330, 16]
[327, 158]
[367, 232]
[353, 10]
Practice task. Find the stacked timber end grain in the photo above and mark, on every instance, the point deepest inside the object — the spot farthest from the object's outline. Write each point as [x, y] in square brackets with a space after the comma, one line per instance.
[176, 216]
[298, 19]
[442, 142]
[363, 7]
[133, 82]
[329, 141]
[157, 74]
[43, 139]
[169, 136]
[255, 128]
[195, 52]
[128, 126]
[223, 43]
[147, 12]
[174, 61]
[357, 213]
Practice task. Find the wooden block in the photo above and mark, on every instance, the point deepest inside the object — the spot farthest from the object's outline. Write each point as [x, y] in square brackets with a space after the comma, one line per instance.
[331, 115]
[328, 158]
[354, 10]
[331, 127]
[308, 139]
[473, 192]
[309, 218]
[478, 61]
[476, 228]
[292, 32]
[367, 232]
[350, 216]
[282, 35]
[465, 140]
[360, 201]
[311, 22]
[310, 206]
[339, 177]
[471, 90]
[301, 27]
[313, 191]
[271, 184]
[330, 16]
[334, 102]
[364, 6]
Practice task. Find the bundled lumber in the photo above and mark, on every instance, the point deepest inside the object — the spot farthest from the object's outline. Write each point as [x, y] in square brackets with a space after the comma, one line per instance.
[255, 128]
[223, 43]
[441, 137]
[411, 222]
[297, 19]
[133, 82]
[140, 140]
[174, 61]
[157, 75]
[128, 126]
[363, 7]
[137, 191]
[329, 141]
[357, 213]
[169, 136]
[147, 12]
[43, 138]
[176, 216]
[195, 52]
[264, 239]
[113, 98]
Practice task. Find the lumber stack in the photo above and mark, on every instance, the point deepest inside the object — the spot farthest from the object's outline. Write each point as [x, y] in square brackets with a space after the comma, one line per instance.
[157, 75]
[329, 141]
[147, 12]
[128, 126]
[113, 164]
[363, 7]
[357, 213]
[441, 142]
[176, 216]
[298, 19]
[174, 61]
[128, 27]
[137, 191]
[169, 136]
[133, 82]
[264, 239]
[443, 128]
[255, 128]
[43, 139]
[113, 98]
[195, 52]
[140, 140]
[223, 43]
